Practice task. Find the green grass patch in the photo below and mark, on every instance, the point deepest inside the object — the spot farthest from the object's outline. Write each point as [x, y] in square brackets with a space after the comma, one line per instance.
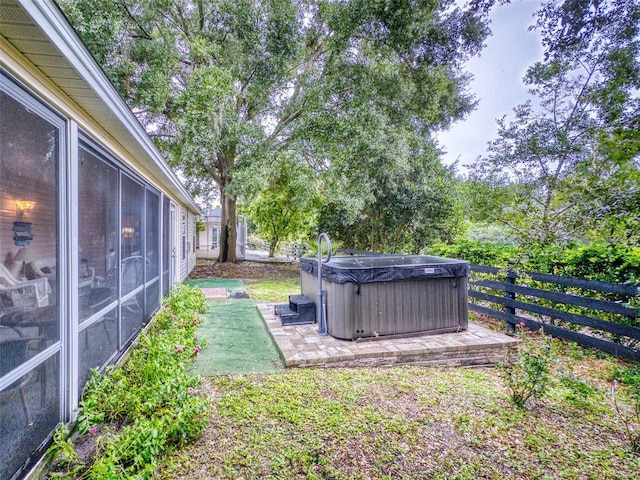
[273, 290]
[401, 422]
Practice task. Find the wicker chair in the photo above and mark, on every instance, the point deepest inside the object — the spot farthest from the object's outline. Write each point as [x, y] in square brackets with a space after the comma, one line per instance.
[16, 294]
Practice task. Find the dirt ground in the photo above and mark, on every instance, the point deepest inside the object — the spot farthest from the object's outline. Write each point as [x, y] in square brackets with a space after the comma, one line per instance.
[246, 270]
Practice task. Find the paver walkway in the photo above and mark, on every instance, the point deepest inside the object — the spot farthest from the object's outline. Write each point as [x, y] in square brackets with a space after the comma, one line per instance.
[218, 292]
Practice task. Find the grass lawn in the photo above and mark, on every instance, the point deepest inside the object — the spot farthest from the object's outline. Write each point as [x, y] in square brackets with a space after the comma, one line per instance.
[271, 282]
[410, 422]
[273, 290]
[404, 422]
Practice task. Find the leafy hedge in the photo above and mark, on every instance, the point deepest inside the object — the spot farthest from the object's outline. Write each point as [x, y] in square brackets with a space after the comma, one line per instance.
[478, 253]
[599, 261]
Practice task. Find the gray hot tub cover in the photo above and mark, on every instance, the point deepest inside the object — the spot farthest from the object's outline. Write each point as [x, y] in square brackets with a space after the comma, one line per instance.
[386, 268]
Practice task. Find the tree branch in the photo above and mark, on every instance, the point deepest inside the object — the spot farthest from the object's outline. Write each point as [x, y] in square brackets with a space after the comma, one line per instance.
[211, 172]
[508, 224]
[146, 35]
[201, 14]
[564, 210]
[164, 135]
[184, 26]
[316, 53]
[283, 124]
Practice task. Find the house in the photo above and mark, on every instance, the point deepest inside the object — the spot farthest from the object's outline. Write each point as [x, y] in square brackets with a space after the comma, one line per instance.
[94, 227]
[208, 239]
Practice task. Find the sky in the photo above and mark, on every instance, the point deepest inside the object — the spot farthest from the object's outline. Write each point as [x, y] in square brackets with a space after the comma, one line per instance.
[497, 82]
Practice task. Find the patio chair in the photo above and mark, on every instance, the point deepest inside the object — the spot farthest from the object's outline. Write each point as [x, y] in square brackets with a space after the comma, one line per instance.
[16, 294]
[132, 273]
[14, 350]
[86, 275]
[131, 276]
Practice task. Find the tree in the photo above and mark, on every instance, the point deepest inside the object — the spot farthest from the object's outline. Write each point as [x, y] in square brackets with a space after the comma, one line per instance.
[286, 206]
[224, 85]
[565, 156]
[405, 210]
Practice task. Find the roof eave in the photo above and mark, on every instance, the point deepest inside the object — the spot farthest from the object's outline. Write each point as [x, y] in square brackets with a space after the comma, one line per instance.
[56, 27]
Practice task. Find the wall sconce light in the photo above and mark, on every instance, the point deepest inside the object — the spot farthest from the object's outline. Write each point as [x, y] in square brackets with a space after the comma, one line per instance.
[23, 207]
[127, 232]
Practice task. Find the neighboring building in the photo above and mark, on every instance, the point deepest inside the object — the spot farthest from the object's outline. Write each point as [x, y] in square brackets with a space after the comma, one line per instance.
[208, 240]
[94, 227]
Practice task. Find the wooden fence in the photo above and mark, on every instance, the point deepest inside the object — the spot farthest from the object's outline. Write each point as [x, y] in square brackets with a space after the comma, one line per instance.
[554, 305]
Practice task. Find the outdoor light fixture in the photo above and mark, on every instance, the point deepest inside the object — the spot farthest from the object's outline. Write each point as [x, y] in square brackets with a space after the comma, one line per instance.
[127, 232]
[23, 207]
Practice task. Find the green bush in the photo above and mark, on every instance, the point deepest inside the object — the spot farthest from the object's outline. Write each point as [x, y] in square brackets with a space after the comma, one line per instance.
[478, 253]
[598, 261]
[529, 377]
[255, 243]
[150, 405]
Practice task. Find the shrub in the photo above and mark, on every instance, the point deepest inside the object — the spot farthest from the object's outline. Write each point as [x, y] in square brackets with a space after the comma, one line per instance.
[629, 415]
[150, 405]
[597, 261]
[478, 253]
[529, 376]
[256, 243]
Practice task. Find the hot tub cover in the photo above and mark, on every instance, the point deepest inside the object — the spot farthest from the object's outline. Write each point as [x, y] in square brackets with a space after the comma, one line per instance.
[387, 268]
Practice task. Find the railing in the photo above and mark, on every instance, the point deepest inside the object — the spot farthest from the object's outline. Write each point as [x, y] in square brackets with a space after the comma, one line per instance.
[322, 294]
[567, 308]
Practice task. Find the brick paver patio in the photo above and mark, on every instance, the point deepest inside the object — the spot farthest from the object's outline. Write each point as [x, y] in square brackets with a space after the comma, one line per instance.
[214, 292]
[301, 346]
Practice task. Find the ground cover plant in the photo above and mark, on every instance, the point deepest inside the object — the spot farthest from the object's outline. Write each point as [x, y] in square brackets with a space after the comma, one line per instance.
[629, 414]
[130, 416]
[405, 422]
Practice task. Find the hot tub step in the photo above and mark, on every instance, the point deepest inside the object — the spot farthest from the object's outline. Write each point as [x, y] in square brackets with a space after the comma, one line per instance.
[296, 301]
[304, 306]
[290, 317]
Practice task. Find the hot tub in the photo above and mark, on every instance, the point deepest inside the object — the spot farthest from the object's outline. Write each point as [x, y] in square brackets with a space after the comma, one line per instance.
[389, 295]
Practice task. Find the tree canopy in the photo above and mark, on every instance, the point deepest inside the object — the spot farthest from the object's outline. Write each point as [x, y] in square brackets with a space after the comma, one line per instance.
[225, 86]
[569, 159]
[408, 206]
[286, 205]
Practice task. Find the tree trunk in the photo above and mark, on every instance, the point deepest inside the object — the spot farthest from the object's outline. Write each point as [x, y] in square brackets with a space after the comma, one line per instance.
[272, 248]
[228, 231]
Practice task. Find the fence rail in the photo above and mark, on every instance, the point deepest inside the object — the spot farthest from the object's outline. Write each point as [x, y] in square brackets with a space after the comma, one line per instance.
[516, 298]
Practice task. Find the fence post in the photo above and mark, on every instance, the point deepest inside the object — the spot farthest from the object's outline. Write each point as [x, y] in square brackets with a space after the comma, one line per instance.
[510, 280]
[631, 319]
